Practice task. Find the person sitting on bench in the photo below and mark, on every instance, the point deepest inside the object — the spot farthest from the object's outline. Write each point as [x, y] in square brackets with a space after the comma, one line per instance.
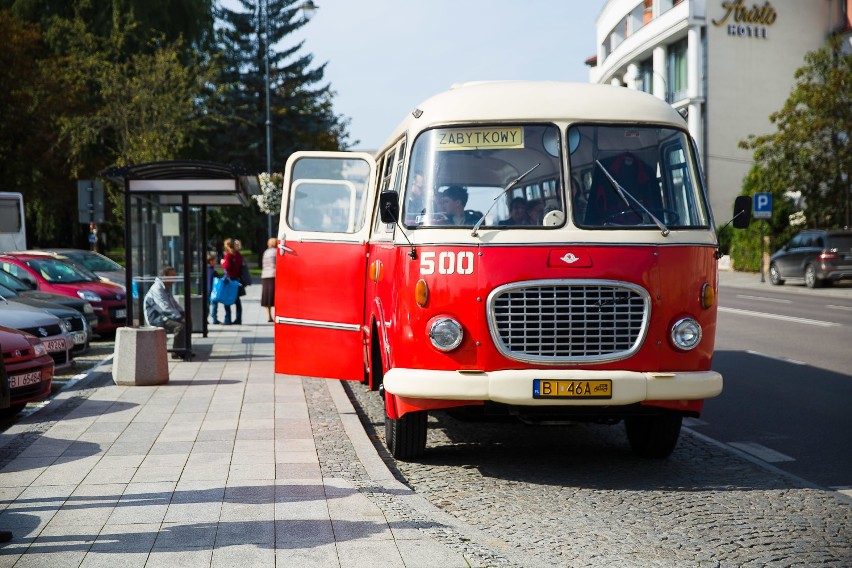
[162, 310]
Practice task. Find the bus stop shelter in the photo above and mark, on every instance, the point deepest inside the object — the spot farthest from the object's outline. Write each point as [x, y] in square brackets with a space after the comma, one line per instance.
[165, 224]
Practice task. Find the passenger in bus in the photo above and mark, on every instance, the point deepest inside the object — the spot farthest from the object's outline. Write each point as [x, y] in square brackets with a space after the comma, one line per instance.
[453, 199]
[535, 211]
[517, 213]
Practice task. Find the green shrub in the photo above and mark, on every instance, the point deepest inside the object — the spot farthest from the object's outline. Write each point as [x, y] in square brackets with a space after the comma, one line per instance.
[745, 243]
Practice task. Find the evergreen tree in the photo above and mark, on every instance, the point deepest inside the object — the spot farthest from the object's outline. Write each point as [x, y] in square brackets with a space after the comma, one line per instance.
[300, 103]
[301, 114]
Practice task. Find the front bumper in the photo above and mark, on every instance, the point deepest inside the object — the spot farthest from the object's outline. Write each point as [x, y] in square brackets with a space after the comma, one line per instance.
[516, 386]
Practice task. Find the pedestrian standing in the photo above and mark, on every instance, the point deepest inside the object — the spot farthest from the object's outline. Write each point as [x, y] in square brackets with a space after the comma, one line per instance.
[233, 265]
[267, 277]
[211, 274]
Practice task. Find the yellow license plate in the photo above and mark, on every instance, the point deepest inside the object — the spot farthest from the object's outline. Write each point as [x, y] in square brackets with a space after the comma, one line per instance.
[547, 388]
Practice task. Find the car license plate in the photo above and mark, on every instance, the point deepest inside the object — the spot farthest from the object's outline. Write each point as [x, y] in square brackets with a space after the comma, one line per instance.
[80, 338]
[558, 388]
[26, 379]
[54, 345]
[119, 314]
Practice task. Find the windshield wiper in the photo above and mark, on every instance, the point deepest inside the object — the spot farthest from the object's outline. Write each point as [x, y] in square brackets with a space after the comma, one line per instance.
[513, 183]
[624, 194]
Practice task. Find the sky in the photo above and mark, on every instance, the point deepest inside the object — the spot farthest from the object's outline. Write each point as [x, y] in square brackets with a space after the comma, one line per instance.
[383, 57]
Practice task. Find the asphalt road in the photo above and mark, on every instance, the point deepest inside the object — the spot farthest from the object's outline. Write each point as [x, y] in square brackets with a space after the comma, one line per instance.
[786, 355]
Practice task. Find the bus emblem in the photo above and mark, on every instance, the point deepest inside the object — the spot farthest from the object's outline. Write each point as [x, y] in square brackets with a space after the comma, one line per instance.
[569, 258]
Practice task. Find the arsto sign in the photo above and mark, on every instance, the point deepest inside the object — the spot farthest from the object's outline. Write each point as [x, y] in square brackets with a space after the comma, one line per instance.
[742, 21]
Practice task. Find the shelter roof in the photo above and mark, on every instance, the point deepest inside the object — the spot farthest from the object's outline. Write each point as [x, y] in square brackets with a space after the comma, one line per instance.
[204, 183]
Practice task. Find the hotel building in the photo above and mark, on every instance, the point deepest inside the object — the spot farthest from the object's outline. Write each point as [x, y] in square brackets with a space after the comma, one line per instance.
[726, 64]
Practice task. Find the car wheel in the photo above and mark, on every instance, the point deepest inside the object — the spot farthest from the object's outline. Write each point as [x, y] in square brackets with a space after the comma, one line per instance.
[653, 436]
[811, 280]
[405, 437]
[775, 276]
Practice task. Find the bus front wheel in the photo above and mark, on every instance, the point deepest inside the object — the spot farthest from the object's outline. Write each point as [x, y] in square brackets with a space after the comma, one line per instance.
[653, 436]
[405, 437]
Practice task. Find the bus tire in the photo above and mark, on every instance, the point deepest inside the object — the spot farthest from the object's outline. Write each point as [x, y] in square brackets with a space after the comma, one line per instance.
[405, 437]
[653, 436]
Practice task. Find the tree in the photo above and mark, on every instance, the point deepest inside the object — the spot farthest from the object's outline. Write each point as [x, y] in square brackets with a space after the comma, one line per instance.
[120, 109]
[32, 160]
[811, 151]
[301, 110]
[94, 87]
[188, 20]
[745, 244]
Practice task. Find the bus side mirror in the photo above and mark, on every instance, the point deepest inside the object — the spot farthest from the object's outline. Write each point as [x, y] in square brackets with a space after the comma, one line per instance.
[389, 206]
[742, 212]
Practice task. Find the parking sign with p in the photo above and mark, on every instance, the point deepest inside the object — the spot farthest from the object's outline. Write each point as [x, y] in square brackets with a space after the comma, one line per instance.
[762, 208]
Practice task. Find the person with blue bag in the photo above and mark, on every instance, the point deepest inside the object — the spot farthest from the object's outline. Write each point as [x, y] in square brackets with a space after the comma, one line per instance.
[211, 274]
[233, 265]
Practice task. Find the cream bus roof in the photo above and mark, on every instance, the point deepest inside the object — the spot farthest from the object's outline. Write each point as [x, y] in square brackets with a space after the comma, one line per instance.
[538, 100]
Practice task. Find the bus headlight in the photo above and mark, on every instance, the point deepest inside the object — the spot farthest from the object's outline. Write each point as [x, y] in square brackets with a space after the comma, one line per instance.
[686, 334]
[445, 334]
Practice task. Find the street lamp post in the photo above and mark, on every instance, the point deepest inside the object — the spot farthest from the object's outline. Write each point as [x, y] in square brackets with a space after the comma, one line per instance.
[308, 8]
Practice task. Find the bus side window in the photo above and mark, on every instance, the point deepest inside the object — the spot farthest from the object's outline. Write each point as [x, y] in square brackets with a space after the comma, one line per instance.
[400, 158]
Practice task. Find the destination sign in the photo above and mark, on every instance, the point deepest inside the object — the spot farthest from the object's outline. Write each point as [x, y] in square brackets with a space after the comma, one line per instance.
[480, 138]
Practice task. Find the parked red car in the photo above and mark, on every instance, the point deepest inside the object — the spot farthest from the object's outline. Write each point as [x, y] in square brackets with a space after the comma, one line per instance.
[29, 366]
[48, 274]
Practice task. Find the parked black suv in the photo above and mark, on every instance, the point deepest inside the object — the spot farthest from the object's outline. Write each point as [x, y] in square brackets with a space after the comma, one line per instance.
[816, 256]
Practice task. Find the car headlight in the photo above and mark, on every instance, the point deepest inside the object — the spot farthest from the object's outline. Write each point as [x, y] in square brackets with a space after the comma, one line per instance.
[445, 334]
[38, 347]
[686, 334]
[88, 295]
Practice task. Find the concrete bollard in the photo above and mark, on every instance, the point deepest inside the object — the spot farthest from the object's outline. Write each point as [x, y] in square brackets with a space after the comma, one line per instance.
[141, 356]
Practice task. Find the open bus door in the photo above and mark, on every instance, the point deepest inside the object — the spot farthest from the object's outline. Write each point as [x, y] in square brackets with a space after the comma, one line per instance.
[320, 273]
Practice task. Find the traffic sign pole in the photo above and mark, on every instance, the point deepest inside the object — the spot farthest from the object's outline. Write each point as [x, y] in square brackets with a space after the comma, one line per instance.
[762, 225]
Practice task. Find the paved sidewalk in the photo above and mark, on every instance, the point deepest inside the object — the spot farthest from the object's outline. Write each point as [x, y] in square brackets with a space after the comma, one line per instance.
[222, 466]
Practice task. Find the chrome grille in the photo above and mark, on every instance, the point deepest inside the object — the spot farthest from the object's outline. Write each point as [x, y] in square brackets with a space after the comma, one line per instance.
[558, 321]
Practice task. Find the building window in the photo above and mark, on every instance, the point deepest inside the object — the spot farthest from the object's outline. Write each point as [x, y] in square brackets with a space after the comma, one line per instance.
[647, 11]
[676, 80]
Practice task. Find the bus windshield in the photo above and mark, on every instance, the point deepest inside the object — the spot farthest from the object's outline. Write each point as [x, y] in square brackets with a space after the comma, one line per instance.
[634, 177]
[458, 175]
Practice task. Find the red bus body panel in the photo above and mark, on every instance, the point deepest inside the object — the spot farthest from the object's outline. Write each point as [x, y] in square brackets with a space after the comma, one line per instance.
[320, 282]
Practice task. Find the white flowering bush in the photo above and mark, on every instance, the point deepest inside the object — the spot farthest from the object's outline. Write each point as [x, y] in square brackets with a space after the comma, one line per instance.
[271, 188]
[797, 218]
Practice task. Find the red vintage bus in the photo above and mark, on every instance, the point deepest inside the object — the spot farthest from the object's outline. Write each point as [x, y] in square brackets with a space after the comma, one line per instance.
[538, 249]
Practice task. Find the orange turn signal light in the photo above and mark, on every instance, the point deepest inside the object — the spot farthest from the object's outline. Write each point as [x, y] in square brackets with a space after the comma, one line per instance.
[708, 296]
[376, 271]
[421, 293]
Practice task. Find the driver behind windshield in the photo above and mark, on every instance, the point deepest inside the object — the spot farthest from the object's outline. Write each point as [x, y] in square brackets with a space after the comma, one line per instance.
[452, 200]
